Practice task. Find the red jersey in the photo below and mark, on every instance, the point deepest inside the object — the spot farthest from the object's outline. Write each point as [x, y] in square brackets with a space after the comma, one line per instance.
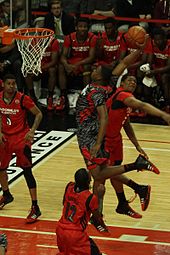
[160, 56]
[13, 115]
[53, 47]
[78, 207]
[126, 46]
[117, 112]
[110, 49]
[80, 50]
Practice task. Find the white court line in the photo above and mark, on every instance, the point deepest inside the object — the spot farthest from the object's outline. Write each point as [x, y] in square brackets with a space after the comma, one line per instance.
[48, 246]
[149, 149]
[133, 148]
[135, 226]
[93, 237]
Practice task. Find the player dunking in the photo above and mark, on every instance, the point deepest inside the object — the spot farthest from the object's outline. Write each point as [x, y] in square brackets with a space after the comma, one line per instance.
[91, 116]
[16, 137]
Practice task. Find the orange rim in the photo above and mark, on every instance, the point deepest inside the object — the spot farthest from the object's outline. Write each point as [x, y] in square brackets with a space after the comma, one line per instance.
[20, 33]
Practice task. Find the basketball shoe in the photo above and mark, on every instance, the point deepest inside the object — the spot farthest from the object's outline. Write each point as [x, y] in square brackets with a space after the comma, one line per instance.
[33, 215]
[50, 104]
[3, 241]
[144, 164]
[60, 104]
[4, 200]
[98, 224]
[124, 208]
[144, 196]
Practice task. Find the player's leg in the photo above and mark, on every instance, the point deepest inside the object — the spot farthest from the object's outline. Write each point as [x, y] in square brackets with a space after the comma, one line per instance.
[24, 160]
[52, 81]
[94, 249]
[115, 149]
[5, 157]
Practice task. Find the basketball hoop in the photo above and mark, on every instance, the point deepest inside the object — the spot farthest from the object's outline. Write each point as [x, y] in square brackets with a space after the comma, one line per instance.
[32, 43]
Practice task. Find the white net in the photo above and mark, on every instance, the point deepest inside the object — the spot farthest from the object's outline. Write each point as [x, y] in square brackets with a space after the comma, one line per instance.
[32, 44]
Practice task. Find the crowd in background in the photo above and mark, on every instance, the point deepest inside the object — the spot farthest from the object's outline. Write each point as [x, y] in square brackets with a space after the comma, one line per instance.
[83, 41]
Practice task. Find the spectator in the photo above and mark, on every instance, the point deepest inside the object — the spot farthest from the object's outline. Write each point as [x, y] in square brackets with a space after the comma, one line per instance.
[77, 56]
[5, 13]
[162, 11]
[158, 56]
[103, 8]
[11, 62]
[133, 9]
[78, 204]
[145, 12]
[72, 7]
[57, 20]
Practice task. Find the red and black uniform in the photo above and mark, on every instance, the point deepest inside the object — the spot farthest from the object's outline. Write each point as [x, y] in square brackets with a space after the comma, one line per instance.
[110, 48]
[118, 112]
[72, 237]
[91, 97]
[161, 57]
[53, 47]
[79, 50]
[14, 128]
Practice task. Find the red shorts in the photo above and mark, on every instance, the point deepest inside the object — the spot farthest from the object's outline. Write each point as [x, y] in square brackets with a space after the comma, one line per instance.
[15, 144]
[115, 149]
[102, 158]
[72, 242]
[80, 68]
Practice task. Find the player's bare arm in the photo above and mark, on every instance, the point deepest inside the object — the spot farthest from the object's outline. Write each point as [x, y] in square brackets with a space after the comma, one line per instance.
[103, 118]
[131, 135]
[38, 117]
[148, 108]
[129, 59]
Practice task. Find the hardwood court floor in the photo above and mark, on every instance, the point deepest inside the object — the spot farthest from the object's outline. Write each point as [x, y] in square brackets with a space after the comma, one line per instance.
[58, 168]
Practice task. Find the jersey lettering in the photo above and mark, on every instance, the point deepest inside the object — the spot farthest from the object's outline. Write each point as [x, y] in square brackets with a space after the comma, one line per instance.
[70, 212]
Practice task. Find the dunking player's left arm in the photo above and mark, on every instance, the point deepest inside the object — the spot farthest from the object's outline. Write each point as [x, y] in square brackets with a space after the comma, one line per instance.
[102, 113]
[38, 117]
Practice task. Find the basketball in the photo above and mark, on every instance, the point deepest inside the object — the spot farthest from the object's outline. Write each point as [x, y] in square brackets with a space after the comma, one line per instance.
[136, 34]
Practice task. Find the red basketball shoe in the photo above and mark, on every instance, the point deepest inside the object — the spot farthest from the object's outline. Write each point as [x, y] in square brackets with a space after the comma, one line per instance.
[33, 215]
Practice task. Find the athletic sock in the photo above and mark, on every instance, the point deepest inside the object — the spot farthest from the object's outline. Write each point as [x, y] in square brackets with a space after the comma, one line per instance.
[100, 207]
[6, 193]
[121, 197]
[34, 203]
[130, 167]
[133, 185]
[50, 93]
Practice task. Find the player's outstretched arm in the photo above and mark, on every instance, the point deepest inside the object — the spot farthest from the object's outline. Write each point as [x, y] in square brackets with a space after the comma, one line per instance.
[148, 108]
[129, 59]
